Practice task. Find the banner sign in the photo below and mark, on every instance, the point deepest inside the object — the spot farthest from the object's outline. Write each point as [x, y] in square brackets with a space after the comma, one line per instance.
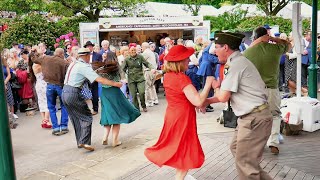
[150, 22]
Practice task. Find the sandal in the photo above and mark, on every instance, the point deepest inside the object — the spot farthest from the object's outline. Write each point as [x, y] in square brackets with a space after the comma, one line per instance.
[45, 124]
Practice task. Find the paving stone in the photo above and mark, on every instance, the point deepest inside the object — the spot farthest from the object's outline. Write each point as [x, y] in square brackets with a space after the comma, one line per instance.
[89, 175]
[85, 163]
[43, 175]
[67, 169]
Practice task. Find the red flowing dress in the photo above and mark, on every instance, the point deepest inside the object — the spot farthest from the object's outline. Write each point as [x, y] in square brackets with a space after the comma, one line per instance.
[178, 145]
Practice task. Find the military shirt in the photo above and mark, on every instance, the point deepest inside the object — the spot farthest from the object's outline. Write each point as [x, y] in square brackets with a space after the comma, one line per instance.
[79, 73]
[266, 58]
[244, 82]
[133, 66]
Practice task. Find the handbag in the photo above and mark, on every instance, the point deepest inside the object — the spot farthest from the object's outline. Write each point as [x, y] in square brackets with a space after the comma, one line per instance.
[14, 82]
[230, 119]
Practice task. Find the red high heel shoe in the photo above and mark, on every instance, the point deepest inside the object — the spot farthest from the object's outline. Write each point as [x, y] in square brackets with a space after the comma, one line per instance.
[45, 124]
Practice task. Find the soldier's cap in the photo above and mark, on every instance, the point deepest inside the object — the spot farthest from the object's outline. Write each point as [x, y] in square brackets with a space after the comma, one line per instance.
[179, 53]
[83, 51]
[228, 38]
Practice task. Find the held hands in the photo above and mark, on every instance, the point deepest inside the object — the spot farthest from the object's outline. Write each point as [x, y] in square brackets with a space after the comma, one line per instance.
[210, 80]
[216, 84]
[202, 108]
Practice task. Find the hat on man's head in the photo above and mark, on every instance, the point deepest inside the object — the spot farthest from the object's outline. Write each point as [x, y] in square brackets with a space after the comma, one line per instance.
[21, 46]
[267, 26]
[88, 43]
[83, 51]
[228, 38]
[179, 53]
[277, 34]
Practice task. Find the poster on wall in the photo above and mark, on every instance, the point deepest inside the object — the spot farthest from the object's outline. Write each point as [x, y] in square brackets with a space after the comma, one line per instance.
[90, 36]
[201, 32]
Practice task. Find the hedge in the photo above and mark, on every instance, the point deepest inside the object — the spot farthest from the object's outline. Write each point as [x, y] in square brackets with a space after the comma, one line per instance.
[234, 22]
[34, 28]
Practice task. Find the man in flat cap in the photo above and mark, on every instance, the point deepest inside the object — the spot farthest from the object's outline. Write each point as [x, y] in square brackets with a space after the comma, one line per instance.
[79, 112]
[244, 88]
[266, 57]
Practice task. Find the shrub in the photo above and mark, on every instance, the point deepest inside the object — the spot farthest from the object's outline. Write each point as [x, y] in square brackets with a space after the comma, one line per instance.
[285, 25]
[34, 28]
[31, 29]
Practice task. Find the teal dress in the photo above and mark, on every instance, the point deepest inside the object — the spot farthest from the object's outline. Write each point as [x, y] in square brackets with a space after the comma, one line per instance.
[115, 107]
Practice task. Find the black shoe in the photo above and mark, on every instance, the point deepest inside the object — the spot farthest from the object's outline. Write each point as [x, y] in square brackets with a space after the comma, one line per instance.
[209, 110]
[64, 131]
[210, 107]
[56, 132]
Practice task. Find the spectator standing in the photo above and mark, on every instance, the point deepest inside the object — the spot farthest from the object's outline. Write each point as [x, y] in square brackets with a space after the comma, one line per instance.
[54, 70]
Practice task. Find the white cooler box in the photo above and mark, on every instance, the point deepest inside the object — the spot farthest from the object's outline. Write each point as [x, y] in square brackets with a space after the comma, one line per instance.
[306, 109]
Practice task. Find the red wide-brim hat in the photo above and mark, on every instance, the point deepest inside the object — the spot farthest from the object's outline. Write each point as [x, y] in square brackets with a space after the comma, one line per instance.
[179, 53]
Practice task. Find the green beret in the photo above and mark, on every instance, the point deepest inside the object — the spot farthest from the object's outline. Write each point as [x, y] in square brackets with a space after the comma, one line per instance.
[228, 38]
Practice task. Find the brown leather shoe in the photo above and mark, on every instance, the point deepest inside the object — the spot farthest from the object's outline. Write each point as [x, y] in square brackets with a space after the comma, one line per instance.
[145, 109]
[86, 146]
[274, 150]
[94, 113]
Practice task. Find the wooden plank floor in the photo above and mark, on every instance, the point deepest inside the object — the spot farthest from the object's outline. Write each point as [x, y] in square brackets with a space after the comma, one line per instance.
[299, 159]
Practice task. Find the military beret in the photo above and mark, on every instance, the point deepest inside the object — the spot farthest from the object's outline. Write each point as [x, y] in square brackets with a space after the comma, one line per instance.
[228, 38]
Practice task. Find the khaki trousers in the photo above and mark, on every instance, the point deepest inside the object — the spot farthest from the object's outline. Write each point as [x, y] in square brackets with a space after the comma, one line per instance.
[247, 146]
[151, 94]
[274, 101]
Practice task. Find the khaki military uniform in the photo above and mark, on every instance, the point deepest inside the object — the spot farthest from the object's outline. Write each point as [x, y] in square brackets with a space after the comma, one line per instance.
[133, 66]
[249, 103]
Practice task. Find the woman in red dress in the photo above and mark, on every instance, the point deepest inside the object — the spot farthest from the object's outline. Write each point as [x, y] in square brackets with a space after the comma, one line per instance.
[178, 145]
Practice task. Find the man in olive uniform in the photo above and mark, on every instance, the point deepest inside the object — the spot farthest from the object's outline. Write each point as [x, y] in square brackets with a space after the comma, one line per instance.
[266, 57]
[133, 65]
[243, 87]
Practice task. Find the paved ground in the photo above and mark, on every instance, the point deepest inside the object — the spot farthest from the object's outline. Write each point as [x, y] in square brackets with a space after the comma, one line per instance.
[41, 156]
[36, 149]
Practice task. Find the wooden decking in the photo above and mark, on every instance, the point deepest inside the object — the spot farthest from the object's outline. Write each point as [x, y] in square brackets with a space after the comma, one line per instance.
[299, 159]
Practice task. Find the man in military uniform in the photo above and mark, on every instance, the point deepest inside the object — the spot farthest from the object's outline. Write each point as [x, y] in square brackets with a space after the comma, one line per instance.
[244, 88]
[266, 57]
[133, 65]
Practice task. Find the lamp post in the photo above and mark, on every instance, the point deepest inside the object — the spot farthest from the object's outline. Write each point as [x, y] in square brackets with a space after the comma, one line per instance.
[7, 170]
[313, 68]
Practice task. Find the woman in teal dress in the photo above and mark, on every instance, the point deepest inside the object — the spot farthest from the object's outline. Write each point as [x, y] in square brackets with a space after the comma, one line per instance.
[116, 109]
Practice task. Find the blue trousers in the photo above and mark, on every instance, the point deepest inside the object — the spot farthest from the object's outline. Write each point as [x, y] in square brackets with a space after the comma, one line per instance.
[52, 92]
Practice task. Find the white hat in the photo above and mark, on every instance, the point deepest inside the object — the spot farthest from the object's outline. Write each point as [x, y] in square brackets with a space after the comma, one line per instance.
[83, 51]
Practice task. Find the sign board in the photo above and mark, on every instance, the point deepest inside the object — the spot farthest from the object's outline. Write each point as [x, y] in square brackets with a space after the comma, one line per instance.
[202, 33]
[150, 23]
[89, 32]
[90, 36]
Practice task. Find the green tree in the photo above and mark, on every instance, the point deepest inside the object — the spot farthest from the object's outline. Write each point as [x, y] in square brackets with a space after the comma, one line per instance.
[227, 21]
[92, 8]
[22, 6]
[31, 29]
[270, 7]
